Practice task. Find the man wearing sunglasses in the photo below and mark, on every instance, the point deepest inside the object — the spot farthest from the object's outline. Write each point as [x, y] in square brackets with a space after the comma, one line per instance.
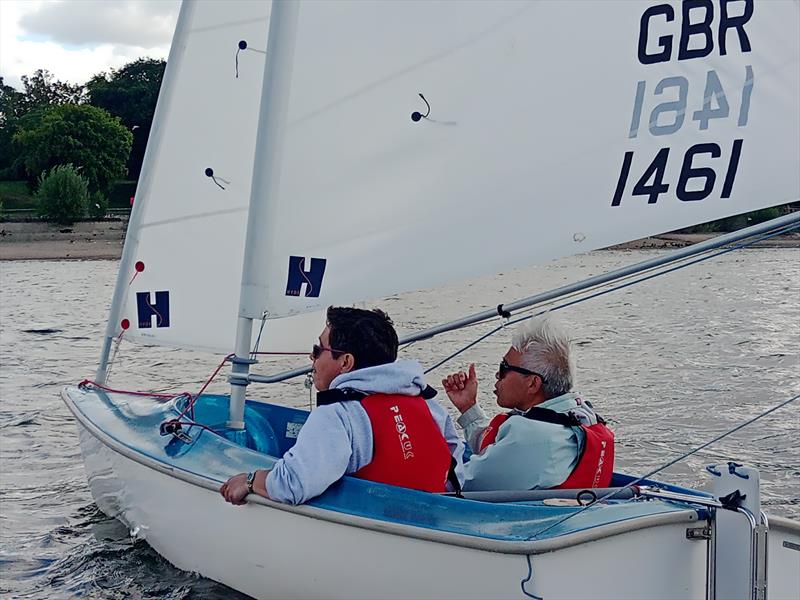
[549, 436]
[375, 419]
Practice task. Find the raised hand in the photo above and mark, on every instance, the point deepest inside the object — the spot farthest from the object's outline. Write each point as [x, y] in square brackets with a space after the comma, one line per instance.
[462, 389]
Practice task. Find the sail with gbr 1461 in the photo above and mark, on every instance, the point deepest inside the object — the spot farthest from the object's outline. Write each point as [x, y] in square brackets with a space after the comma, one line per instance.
[313, 153]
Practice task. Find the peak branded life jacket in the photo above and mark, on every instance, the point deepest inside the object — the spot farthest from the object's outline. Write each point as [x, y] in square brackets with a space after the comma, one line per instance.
[596, 462]
[409, 449]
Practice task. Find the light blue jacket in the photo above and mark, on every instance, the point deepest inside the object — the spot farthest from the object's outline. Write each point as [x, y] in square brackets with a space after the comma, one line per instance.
[527, 454]
[336, 440]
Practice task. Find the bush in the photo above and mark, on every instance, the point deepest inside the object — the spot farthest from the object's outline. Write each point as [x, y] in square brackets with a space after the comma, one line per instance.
[63, 195]
[98, 205]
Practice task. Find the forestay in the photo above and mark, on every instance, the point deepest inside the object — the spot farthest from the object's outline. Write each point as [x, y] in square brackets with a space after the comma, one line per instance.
[554, 128]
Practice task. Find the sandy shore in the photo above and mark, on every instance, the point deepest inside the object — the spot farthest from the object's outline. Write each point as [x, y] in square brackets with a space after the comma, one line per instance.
[93, 240]
[90, 240]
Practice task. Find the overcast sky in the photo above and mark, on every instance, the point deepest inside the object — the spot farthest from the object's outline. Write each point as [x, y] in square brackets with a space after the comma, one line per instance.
[76, 39]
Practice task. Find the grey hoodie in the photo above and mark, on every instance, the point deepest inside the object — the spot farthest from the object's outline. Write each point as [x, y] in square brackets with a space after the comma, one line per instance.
[336, 440]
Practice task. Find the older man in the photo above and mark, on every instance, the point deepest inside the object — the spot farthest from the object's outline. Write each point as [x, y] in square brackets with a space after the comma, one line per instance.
[549, 437]
[375, 419]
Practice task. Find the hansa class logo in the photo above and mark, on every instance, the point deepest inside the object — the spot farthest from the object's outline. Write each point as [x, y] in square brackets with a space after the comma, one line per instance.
[299, 276]
[151, 310]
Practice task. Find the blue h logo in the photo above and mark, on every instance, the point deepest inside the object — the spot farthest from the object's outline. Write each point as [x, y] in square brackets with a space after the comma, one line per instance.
[146, 309]
[298, 276]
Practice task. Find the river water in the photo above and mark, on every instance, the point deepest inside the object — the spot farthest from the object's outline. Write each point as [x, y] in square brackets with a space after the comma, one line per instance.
[671, 363]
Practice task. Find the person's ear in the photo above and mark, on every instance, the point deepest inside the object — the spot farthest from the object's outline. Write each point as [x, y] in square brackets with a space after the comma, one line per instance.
[536, 384]
[348, 362]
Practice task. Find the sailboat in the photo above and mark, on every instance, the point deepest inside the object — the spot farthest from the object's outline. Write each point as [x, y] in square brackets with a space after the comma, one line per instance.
[305, 154]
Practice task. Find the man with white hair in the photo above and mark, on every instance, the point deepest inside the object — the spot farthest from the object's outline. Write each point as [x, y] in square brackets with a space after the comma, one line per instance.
[549, 437]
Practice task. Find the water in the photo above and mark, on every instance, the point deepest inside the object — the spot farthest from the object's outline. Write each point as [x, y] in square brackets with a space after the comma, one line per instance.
[671, 363]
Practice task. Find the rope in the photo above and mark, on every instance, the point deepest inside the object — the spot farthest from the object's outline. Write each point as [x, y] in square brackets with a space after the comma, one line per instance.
[527, 579]
[670, 463]
[86, 382]
[193, 399]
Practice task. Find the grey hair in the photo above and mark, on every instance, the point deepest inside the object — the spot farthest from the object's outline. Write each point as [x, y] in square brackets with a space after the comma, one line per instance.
[545, 348]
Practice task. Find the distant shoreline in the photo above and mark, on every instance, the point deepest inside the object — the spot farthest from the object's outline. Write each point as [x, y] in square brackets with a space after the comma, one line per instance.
[102, 240]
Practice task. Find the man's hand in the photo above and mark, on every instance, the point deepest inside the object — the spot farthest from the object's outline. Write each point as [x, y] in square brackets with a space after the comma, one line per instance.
[235, 489]
[462, 389]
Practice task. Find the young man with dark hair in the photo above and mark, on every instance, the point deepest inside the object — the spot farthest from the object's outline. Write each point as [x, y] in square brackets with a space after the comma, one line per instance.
[375, 419]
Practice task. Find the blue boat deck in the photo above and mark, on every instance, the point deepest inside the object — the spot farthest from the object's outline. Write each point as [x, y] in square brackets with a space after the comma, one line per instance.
[133, 423]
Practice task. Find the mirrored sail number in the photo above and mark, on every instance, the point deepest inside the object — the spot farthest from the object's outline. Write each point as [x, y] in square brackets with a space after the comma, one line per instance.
[697, 178]
[667, 117]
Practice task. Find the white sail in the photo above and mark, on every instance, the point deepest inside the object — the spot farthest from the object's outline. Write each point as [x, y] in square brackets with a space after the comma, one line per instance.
[555, 128]
[187, 232]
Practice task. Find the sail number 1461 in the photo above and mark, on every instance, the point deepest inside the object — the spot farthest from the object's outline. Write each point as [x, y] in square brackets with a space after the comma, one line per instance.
[652, 185]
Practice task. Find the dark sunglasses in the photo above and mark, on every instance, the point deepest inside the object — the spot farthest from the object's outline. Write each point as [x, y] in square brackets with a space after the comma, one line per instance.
[505, 368]
[317, 350]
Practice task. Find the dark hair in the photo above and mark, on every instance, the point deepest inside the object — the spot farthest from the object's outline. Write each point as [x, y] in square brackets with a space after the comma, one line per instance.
[366, 334]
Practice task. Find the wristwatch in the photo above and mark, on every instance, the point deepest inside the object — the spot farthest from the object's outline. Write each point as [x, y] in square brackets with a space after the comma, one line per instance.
[251, 478]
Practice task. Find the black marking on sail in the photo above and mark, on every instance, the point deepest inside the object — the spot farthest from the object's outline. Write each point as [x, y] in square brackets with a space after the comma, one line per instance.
[241, 46]
[210, 173]
[416, 116]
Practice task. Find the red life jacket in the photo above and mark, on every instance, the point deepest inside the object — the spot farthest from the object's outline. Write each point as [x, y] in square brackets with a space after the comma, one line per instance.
[596, 462]
[409, 450]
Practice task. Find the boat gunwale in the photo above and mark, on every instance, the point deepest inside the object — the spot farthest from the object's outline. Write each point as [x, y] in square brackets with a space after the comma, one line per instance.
[776, 522]
[568, 540]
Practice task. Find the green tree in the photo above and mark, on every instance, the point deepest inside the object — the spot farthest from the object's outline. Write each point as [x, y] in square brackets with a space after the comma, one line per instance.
[130, 93]
[42, 89]
[85, 136]
[62, 196]
[11, 109]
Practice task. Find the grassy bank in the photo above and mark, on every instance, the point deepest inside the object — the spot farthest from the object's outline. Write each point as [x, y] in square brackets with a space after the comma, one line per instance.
[15, 195]
[17, 202]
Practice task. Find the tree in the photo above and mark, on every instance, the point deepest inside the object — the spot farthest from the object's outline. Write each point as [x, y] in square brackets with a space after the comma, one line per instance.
[96, 143]
[130, 93]
[11, 102]
[42, 89]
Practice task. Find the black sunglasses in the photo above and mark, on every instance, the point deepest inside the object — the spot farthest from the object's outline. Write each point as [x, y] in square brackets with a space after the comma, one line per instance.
[317, 350]
[505, 368]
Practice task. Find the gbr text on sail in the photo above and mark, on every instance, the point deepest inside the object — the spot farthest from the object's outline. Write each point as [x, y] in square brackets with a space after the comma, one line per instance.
[671, 103]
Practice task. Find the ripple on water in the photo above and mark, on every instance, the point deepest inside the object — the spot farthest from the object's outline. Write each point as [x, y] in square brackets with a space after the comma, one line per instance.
[671, 363]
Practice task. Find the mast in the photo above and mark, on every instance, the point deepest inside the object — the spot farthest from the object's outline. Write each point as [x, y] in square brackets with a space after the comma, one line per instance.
[266, 178]
[143, 189]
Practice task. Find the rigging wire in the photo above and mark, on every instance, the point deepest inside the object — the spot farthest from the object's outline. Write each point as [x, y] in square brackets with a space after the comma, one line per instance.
[686, 261]
[669, 464]
[254, 351]
[614, 287]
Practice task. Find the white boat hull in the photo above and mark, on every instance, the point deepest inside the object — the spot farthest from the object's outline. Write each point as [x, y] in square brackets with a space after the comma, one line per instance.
[270, 551]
